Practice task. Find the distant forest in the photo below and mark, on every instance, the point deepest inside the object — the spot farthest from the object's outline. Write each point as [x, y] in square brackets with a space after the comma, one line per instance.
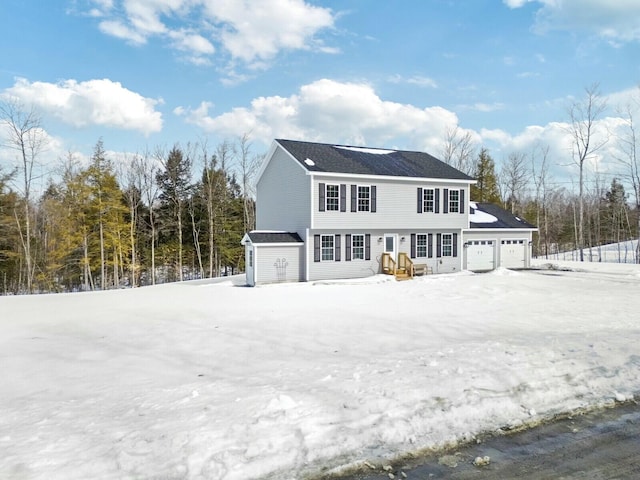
[180, 213]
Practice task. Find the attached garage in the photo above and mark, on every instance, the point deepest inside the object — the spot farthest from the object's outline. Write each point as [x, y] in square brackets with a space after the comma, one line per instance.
[496, 238]
[513, 253]
[480, 255]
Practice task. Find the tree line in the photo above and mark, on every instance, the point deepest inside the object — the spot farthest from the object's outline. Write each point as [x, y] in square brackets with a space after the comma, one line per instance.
[175, 213]
[591, 210]
[165, 215]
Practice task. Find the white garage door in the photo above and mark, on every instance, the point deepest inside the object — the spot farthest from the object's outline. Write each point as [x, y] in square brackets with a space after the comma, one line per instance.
[480, 255]
[512, 253]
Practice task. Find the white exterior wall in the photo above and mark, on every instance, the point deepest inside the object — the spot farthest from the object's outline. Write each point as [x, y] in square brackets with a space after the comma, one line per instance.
[497, 236]
[278, 263]
[325, 270]
[396, 206]
[283, 196]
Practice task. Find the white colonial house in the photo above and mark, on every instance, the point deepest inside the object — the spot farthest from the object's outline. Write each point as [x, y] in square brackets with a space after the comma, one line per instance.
[334, 211]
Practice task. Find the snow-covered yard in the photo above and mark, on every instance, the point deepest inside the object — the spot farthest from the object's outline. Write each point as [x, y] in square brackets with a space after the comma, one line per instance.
[210, 381]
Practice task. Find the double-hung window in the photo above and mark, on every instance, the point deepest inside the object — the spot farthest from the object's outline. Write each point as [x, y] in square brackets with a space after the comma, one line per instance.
[326, 248]
[454, 201]
[357, 247]
[421, 245]
[428, 200]
[447, 245]
[333, 197]
[364, 198]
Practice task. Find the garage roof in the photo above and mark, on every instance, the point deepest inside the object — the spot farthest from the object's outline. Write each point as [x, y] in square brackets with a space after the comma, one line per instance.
[488, 215]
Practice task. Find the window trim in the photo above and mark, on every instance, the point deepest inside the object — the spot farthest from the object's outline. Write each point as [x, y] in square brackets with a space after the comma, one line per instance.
[360, 248]
[336, 197]
[444, 244]
[455, 202]
[327, 248]
[425, 208]
[358, 198]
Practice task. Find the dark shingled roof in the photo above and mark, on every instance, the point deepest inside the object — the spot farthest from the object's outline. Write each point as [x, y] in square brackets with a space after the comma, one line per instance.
[274, 237]
[397, 163]
[505, 218]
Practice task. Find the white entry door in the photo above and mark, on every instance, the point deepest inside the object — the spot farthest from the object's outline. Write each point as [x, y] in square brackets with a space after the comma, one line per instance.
[391, 245]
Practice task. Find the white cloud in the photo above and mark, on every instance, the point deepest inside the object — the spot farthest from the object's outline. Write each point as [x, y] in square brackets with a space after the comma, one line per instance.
[327, 110]
[417, 80]
[251, 31]
[617, 20]
[94, 102]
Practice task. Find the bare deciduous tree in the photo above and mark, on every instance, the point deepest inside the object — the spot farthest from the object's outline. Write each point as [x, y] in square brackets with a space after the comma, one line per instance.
[582, 128]
[26, 136]
[459, 151]
[513, 177]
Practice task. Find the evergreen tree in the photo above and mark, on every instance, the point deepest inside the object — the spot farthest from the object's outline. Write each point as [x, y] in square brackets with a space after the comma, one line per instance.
[174, 181]
[486, 189]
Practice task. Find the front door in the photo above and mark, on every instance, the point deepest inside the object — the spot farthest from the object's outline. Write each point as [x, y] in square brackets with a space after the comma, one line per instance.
[391, 245]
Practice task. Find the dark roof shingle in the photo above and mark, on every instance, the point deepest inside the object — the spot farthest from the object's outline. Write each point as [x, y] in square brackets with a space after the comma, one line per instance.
[274, 237]
[504, 218]
[369, 161]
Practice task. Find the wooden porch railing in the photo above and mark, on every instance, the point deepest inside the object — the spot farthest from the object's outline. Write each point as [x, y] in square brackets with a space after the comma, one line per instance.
[388, 264]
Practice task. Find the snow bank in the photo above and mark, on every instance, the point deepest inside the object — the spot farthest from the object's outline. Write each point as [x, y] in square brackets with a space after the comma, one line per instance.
[224, 382]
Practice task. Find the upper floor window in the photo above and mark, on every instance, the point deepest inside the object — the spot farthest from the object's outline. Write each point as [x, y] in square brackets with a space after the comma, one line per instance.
[428, 200]
[364, 198]
[454, 201]
[333, 197]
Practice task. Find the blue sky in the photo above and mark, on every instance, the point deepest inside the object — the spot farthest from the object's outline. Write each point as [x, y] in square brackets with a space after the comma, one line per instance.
[147, 73]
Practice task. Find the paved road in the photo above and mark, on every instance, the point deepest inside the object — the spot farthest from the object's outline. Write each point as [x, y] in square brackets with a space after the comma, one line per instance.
[595, 446]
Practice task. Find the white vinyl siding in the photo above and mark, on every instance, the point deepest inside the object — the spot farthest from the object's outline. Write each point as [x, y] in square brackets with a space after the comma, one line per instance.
[395, 207]
[283, 170]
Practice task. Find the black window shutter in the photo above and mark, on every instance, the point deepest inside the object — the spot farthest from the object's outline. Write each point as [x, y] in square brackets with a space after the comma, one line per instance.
[430, 245]
[461, 201]
[337, 248]
[436, 194]
[413, 245]
[354, 198]
[445, 201]
[343, 197]
[419, 200]
[347, 247]
[367, 247]
[455, 245]
[373, 198]
[439, 245]
[321, 201]
[316, 248]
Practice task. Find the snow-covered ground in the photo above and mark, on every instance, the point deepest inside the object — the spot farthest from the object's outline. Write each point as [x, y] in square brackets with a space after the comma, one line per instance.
[205, 380]
[622, 252]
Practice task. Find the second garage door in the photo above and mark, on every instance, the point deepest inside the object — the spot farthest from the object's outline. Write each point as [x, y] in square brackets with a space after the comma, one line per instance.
[512, 253]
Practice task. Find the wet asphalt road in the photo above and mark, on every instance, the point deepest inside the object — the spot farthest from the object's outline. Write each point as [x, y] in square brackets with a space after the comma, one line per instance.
[596, 446]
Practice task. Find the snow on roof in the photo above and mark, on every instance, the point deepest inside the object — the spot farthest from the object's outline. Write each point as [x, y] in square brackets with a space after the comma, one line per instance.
[375, 151]
[309, 162]
[478, 216]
